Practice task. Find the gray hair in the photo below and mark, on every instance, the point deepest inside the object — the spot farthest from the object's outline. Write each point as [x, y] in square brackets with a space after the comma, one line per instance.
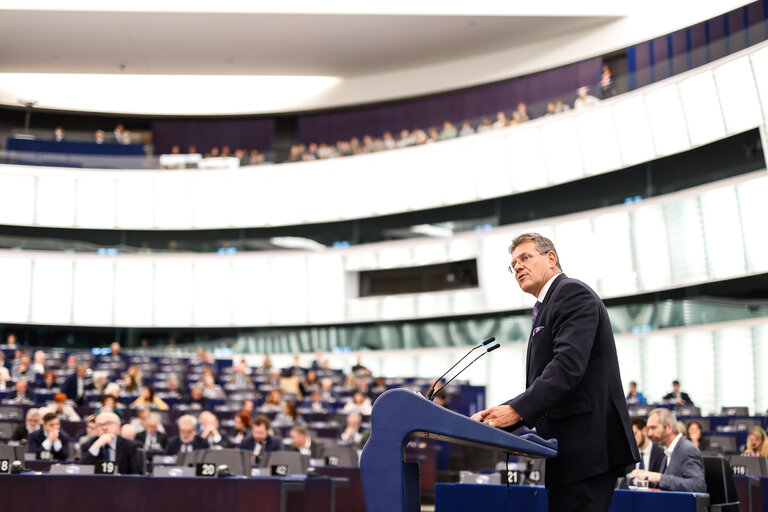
[187, 419]
[543, 244]
[666, 417]
[33, 412]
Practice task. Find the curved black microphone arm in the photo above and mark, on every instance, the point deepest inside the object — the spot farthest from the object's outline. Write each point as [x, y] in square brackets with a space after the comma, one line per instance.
[489, 349]
[483, 343]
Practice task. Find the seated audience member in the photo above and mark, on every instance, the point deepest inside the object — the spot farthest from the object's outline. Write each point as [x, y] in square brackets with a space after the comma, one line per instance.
[187, 440]
[651, 455]
[677, 396]
[211, 390]
[109, 403]
[71, 365]
[288, 416]
[561, 107]
[5, 375]
[22, 368]
[302, 442]
[327, 390]
[240, 377]
[151, 438]
[196, 398]
[75, 385]
[88, 431]
[247, 407]
[38, 363]
[584, 100]
[49, 442]
[310, 383]
[449, 131]
[209, 430]
[501, 120]
[360, 404]
[354, 434]
[757, 443]
[31, 425]
[115, 354]
[142, 413]
[484, 125]
[634, 396]
[273, 402]
[62, 409]
[267, 364]
[550, 109]
[359, 369]
[49, 381]
[466, 129]
[10, 341]
[261, 441]
[242, 426]
[693, 434]
[682, 469]
[100, 382]
[127, 431]
[149, 399]
[174, 389]
[21, 393]
[522, 112]
[109, 445]
[130, 384]
[316, 404]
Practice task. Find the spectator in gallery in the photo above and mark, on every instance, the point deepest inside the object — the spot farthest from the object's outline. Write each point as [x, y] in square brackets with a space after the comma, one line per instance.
[550, 109]
[58, 134]
[584, 100]
[501, 120]
[266, 364]
[522, 112]
[192, 149]
[466, 129]
[256, 158]
[310, 383]
[405, 139]
[187, 440]
[240, 377]
[316, 402]
[31, 424]
[419, 136]
[49, 443]
[676, 396]
[561, 107]
[130, 384]
[484, 125]
[694, 434]
[121, 135]
[388, 141]
[449, 131]
[100, 381]
[433, 135]
[98, 137]
[635, 397]
[757, 443]
[606, 83]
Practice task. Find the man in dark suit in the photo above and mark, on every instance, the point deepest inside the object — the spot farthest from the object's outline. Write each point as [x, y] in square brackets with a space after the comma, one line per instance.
[677, 396]
[75, 386]
[31, 424]
[682, 468]
[651, 454]
[49, 442]
[573, 387]
[151, 438]
[187, 440]
[303, 443]
[108, 445]
[21, 393]
[261, 441]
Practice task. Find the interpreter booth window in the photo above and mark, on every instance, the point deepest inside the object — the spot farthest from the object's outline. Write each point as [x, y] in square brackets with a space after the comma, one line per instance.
[456, 275]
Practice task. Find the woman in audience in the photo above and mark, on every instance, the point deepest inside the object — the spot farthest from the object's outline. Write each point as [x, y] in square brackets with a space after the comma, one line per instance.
[310, 384]
[289, 416]
[49, 380]
[634, 396]
[130, 384]
[757, 443]
[211, 390]
[274, 401]
[149, 399]
[359, 404]
[110, 403]
[695, 437]
[242, 428]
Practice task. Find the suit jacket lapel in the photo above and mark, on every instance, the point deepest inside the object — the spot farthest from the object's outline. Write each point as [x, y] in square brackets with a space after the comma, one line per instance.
[538, 322]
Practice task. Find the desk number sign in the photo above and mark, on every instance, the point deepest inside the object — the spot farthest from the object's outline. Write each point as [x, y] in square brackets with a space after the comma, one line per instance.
[279, 470]
[510, 477]
[739, 470]
[205, 469]
[104, 467]
[5, 466]
[332, 460]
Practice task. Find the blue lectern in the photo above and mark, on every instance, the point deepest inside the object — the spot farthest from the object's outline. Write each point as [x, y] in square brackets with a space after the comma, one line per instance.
[389, 484]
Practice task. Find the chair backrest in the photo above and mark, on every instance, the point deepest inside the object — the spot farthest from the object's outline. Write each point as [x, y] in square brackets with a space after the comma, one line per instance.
[687, 410]
[735, 411]
[12, 412]
[238, 461]
[719, 478]
[752, 466]
[726, 443]
[7, 428]
[12, 453]
[342, 456]
[286, 463]
[743, 424]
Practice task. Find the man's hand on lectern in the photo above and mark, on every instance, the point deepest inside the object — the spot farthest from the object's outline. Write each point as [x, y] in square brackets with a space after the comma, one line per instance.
[500, 416]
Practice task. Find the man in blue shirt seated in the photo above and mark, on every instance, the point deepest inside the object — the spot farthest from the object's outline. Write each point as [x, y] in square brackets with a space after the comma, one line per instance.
[682, 468]
[49, 442]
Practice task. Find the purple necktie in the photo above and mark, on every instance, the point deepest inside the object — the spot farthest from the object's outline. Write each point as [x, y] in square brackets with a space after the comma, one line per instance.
[535, 311]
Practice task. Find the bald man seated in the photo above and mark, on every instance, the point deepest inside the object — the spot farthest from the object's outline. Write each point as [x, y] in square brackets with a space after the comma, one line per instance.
[108, 445]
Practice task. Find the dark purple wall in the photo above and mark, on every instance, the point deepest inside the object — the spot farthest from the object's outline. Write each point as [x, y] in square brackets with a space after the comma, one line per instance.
[456, 106]
[205, 134]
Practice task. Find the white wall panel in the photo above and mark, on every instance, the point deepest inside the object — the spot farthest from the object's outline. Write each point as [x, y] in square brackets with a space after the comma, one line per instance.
[17, 199]
[528, 165]
[598, 143]
[134, 291]
[666, 119]
[720, 214]
[325, 288]
[753, 210]
[287, 289]
[735, 378]
[174, 292]
[561, 150]
[173, 200]
[94, 291]
[697, 363]
[211, 199]
[16, 281]
[251, 295]
[491, 167]
[738, 95]
[52, 291]
[56, 200]
[633, 130]
[702, 108]
[134, 200]
[212, 291]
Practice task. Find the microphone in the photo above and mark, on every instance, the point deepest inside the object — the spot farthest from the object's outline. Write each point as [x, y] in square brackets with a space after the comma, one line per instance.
[489, 349]
[483, 343]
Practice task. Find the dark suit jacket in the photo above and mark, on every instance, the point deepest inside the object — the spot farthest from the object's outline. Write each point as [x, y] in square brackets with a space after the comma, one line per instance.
[573, 387]
[35, 444]
[683, 395]
[127, 456]
[316, 449]
[69, 388]
[657, 455]
[174, 445]
[686, 469]
[162, 439]
[273, 444]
